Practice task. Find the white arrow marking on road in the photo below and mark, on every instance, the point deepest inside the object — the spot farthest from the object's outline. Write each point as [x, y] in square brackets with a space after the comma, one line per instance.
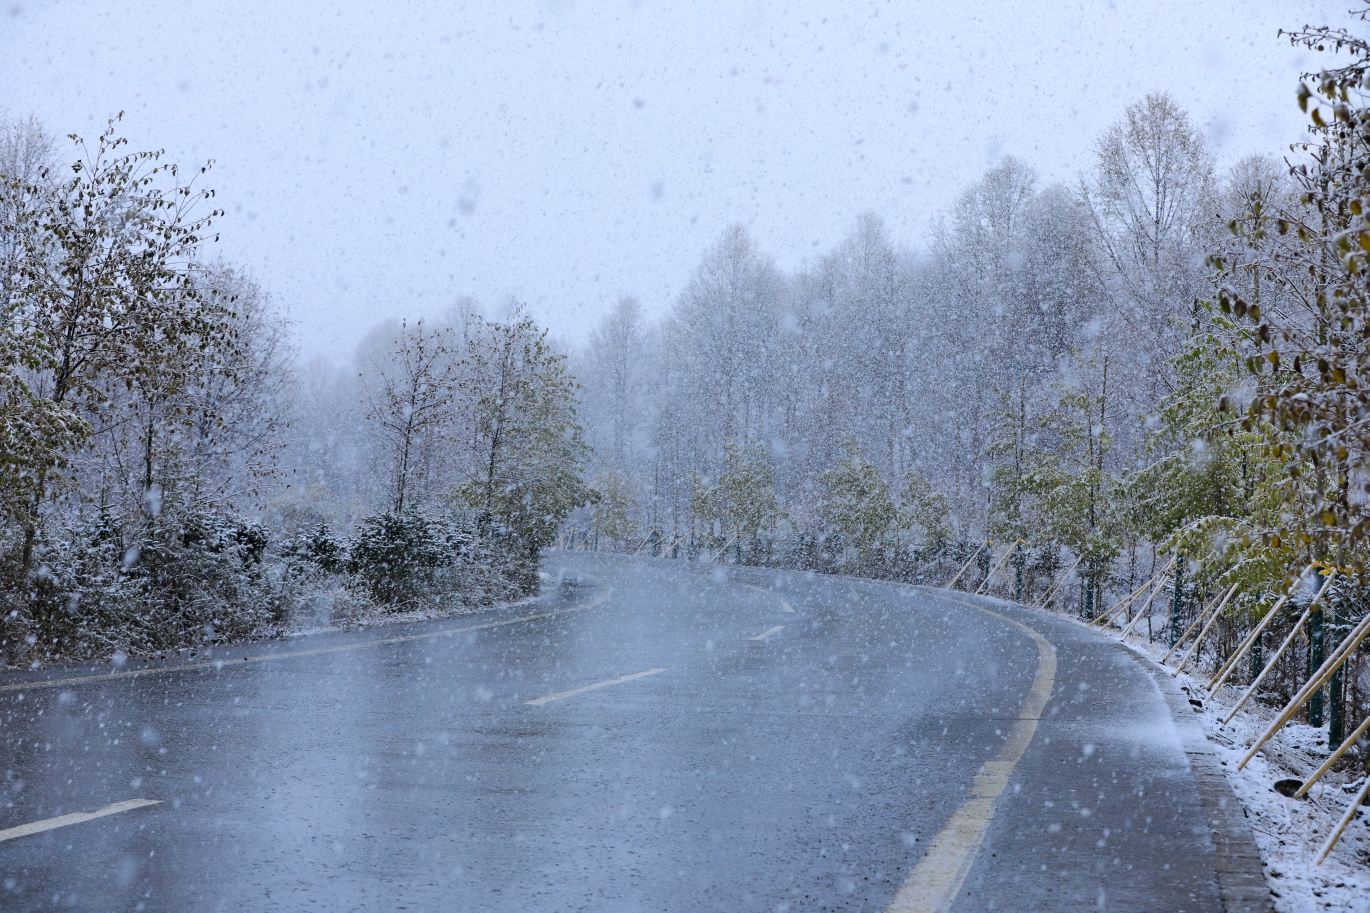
[613, 681]
[786, 606]
[764, 634]
[47, 824]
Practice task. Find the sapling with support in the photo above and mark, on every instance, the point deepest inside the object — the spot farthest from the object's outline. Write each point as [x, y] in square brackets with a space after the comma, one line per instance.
[975, 554]
[1051, 590]
[1318, 679]
[1198, 619]
[1217, 613]
[1146, 609]
[1247, 642]
[1129, 599]
[1293, 632]
[984, 587]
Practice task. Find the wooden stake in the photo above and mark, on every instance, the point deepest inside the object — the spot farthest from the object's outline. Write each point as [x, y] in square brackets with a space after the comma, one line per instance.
[1345, 820]
[1217, 613]
[1327, 765]
[1298, 626]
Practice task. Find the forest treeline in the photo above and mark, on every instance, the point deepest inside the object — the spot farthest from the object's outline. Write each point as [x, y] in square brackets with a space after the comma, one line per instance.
[1160, 361]
[170, 477]
[1158, 364]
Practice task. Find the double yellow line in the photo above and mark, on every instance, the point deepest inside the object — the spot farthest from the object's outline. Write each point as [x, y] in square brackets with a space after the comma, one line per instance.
[935, 882]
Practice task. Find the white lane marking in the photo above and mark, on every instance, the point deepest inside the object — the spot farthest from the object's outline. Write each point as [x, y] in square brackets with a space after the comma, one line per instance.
[936, 880]
[613, 681]
[764, 634]
[752, 586]
[228, 661]
[47, 824]
[786, 606]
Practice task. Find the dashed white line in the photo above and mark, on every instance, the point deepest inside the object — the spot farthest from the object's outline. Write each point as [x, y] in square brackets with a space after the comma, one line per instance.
[47, 824]
[764, 634]
[613, 681]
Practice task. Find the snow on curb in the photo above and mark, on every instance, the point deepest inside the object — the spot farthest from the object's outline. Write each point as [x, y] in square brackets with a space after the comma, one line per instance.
[1288, 832]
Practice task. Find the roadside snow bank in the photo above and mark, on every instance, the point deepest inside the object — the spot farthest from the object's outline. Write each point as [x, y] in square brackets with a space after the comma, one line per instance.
[1288, 832]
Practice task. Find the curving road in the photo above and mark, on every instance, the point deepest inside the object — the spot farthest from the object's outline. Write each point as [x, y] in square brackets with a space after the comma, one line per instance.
[648, 736]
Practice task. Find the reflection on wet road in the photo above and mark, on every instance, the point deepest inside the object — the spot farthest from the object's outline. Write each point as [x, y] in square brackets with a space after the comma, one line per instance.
[662, 737]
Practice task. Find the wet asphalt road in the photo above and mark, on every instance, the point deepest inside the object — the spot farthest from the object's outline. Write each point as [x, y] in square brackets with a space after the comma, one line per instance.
[809, 769]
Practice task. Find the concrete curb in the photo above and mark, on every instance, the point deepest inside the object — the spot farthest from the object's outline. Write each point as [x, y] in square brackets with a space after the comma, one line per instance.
[1241, 880]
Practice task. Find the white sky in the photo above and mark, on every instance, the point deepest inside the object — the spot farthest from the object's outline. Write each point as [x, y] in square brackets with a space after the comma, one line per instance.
[382, 159]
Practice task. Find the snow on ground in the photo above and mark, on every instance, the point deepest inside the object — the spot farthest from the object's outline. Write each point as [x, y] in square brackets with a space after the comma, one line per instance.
[1289, 832]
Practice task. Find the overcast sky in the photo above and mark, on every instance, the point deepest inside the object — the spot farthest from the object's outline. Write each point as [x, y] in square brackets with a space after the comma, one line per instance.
[381, 159]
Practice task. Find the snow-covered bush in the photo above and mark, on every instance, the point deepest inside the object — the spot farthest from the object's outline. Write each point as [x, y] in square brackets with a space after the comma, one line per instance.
[183, 579]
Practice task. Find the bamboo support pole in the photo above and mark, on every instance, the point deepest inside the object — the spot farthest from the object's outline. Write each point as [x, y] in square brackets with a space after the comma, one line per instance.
[1051, 590]
[1217, 613]
[983, 588]
[1198, 620]
[679, 540]
[1319, 678]
[1270, 665]
[722, 551]
[1221, 675]
[994, 570]
[1160, 585]
[1345, 820]
[1105, 617]
[1112, 613]
[973, 555]
[1335, 756]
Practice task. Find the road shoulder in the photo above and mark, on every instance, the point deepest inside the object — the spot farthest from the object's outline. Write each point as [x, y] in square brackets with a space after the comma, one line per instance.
[1241, 881]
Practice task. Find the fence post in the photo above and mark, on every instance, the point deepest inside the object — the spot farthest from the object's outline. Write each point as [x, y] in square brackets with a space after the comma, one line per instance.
[1257, 657]
[1176, 602]
[984, 562]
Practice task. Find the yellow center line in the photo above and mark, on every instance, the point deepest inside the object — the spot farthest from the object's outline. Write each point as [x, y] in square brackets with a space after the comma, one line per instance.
[613, 681]
[764, 634]
[221, 663]
[936, 880]
[47, 824]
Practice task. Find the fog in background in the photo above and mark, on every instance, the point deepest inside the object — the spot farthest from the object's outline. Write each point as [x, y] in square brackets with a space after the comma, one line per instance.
[380, 160]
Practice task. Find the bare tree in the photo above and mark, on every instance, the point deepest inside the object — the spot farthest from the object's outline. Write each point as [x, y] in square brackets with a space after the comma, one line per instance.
[616, 353]
[27, 152]
[412, 405]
